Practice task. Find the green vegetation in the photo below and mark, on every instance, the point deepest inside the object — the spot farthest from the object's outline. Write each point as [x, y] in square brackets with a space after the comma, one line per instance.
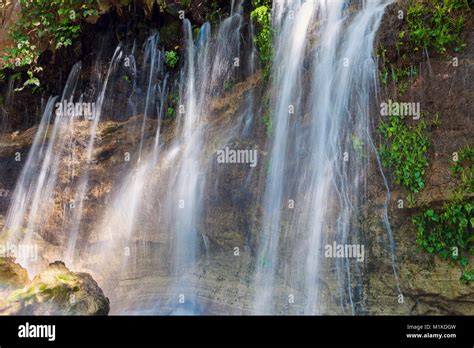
[436, 24]
[170, 112]
[173, 99]
[58, 289]
[429, 25]
[214, 15]
[126, 78]
[449, 231]
[267, 118]
[437, 120]
[411, 200]
[228, 85]
[263, 40]
[51, 23]
[400, 76]
[467, 276]
[171, 59]
[463, 169]
[267, 121]
[405, 151]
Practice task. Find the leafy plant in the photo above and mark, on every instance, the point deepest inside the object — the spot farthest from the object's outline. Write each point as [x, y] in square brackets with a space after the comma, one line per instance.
[170, 112]
[463, 168]
[405, 151]
[402, 76]
[449, 232]
[437, 24]
[44, 23]
[263, 40]
[171, 59]
[467, 276]
[411, 199]
[173, 100]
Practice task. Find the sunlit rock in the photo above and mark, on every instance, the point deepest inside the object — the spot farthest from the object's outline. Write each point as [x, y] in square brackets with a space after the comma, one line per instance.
[57, 291]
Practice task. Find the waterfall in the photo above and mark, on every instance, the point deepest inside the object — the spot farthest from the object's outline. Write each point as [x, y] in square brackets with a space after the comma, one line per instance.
[160, 200]
[323, 77]
[33, 196]
[148, 221]
[81, 189]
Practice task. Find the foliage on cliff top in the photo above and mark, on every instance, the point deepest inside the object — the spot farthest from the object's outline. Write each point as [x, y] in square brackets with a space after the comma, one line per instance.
[45, 24]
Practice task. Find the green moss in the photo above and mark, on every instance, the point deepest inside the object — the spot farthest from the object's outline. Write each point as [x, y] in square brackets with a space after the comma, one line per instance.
[58, 290]
[29, 294]
[267, 116]
[66, 278]
[228, 85]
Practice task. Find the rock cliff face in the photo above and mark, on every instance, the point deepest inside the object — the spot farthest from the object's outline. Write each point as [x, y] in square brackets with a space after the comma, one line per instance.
[428, 284]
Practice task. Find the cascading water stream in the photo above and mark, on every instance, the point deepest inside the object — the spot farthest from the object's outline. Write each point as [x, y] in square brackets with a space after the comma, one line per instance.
[176, 171]
[33, 196]
[82, 187]
[315, 165]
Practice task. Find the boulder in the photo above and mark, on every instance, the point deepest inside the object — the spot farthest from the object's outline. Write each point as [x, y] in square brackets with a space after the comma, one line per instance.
[12, 275]
[57, 291]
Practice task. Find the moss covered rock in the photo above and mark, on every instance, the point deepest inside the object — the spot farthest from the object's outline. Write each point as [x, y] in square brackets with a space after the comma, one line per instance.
[57, 291]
